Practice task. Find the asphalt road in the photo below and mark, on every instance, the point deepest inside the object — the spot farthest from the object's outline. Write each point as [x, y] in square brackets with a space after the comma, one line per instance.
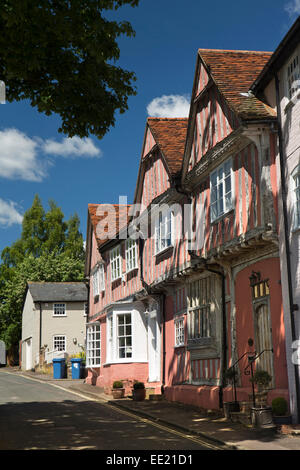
[39, 416]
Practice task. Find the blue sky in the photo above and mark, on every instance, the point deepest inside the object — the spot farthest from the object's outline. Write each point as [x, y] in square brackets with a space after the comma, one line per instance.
[36, 159]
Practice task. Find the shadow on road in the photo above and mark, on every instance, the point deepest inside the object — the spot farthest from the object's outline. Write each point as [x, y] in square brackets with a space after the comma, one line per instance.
[79, 425]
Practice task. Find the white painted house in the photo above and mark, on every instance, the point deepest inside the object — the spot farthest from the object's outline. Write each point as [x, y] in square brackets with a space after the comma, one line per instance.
[53, 321]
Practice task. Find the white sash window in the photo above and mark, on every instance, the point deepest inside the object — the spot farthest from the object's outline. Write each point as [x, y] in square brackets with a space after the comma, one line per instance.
[115, 263]
[221, 190]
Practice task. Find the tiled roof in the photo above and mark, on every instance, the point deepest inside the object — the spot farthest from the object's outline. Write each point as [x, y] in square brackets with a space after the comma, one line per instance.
[116, 218]
[234, 73]
[170, 135]
[58, 291]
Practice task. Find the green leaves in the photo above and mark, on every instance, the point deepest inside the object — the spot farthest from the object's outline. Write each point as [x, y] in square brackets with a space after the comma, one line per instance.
[59, 55]
[49, 249]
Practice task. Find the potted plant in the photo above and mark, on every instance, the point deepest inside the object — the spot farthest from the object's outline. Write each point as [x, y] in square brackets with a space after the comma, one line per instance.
[139, 391]
[262, 379]
[280, 411]
[261, 414]
[118, 391]
[231, 406]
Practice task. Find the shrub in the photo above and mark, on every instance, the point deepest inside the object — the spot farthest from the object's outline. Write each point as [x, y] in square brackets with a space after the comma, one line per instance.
[279, 406]
[138, 385]
[261, 378]
[118, 384]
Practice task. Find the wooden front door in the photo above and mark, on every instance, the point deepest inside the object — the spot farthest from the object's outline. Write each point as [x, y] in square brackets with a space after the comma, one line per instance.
[263, 338]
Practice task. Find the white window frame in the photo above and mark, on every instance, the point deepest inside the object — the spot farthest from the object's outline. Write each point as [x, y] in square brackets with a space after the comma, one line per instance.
[59, 339]
[110, 338]
[115, 263]
[221, 198]
[93, 345]
[164, 231]
[128, 348]
[293, 76]
[59, 307]
[296, 197]
[131, 255]
[179, 331]
[98, 280]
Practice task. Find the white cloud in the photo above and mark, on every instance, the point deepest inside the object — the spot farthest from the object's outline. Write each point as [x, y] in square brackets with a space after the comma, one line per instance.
[169, 106]
[293, 7]
[21, 156]
[9, 213]
[72, 147]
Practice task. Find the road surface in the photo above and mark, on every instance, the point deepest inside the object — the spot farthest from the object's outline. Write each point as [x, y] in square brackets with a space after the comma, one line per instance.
[38, 415]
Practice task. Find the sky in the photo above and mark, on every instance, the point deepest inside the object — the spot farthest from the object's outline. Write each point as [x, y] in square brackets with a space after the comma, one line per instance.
[36, 159]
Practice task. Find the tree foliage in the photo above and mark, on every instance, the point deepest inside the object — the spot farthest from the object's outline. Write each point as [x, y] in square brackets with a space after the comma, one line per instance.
[61, 55]
[49, 250]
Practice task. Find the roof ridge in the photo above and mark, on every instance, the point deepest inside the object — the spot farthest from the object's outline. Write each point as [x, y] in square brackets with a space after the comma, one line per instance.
[235, 50]
[168, 118]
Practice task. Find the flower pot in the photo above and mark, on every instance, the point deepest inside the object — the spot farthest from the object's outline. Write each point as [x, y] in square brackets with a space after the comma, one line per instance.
[229, 407]
[261, 417]
[139, 394]
[118, 393]
[287, 419]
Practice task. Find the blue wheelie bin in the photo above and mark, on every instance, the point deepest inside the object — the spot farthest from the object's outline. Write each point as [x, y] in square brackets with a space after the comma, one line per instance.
[76, 368]
[59, 368]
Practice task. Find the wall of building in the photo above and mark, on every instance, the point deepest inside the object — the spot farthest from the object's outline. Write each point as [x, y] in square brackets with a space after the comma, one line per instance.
[72, 325]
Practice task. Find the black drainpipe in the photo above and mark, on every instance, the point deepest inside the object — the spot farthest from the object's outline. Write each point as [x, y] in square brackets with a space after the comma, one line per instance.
[286, 236]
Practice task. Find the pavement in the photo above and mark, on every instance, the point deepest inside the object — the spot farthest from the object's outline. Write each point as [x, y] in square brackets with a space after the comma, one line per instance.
[185, 418]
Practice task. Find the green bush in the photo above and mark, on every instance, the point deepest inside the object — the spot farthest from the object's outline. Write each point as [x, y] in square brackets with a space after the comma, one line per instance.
[279, 406]
[138, 385]
[118, 384]
[261, 378]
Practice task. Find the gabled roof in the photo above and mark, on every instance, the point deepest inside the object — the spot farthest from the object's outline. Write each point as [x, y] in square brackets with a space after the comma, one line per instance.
[234, 72]
[58, 291]
[115, 220]
[170, 135]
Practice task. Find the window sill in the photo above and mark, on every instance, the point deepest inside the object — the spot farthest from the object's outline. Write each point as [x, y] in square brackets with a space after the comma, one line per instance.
[165, 250]
[117, 279]
[218, 219]
[131, 270]
[124, 361]
[179, 346]
[59, 316]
